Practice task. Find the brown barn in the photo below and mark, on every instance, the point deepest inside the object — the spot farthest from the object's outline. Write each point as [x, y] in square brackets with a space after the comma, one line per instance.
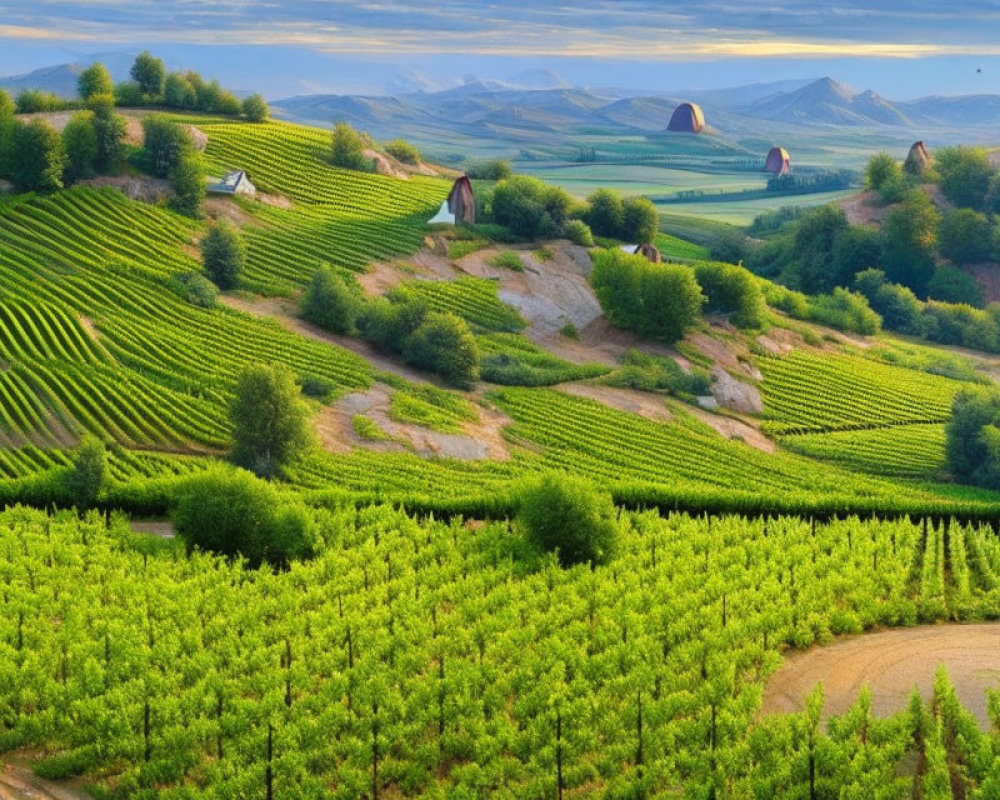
[462, 201]
[687, 118]
[778, 161]
[918, 160]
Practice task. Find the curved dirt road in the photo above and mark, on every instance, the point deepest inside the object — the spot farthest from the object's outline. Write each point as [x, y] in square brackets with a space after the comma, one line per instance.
[891, 663]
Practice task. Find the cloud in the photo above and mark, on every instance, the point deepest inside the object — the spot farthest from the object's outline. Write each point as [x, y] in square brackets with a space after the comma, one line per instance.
[633, 29]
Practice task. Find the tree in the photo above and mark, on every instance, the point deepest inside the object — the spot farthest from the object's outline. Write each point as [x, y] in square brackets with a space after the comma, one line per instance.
[855, 248]
[530, 208]
[224, 255]
[884, 175]
[94, 80]
[964, 236]
[813, 247]
[87, 474]
[331, 302]
[128, 94]
[188, 184]
[110, 129]
[80, 142]
[255, 108]
[972, 437]
[149, 73]
[899, 307]
[38, 157]
[606, 214]
[270, 420]
[729, 247]
[567, 515]
[494, 170]
[348, 150]
[165, 143]
[909, 235]
[444, 344]
[401, 150]
[951, 285]
[641, 220]
[178, 91]
[964, 174]
[8, 122]
[732, 290]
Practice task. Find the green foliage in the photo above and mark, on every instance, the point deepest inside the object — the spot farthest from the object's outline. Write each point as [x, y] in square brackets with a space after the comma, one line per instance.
[38, 157]
[403, 151]
[32, 101]
[87, 474]
[166, 142]
[846, 311]
[815, 239]
[884, 175]
[641, 220]
[188, 183]
[964, 236]
[348, 149]
[657, 301]
[731, 290]
[495, 170]
[909, 236]
[110, 129]
[430, 407]
[195, 288]
[255, 108]
[224, 254]
[179, 92]
[507, 259]
[149, 73]
[530, 208]
[570, 517]
[513, 360]
[606, 213]
[570, 331]
[128, 94]
[80, 142]
[956, 324]
[443, 344]
[577, 231]
[95, 79]
[651, 373]
[729, 247]
[964, 174]
[323, 389]
[270, 421]
[231, 513]
[855, 248]
[952, 285]
[897, 305]
[972, 437]
[332, 302]
[368, 429]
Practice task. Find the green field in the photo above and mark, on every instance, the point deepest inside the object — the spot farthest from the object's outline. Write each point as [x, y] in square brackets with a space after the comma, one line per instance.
[743, 212]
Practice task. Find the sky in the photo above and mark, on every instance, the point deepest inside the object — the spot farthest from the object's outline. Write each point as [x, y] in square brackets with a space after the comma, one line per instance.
[901, 49]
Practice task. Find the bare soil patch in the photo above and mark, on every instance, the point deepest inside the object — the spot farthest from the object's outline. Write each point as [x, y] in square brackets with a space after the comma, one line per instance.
[224, 208]
[143, 190]
[645, 404]
[18, 782]
[891, 664]
[865, 209]
[731, 428]
[157, 527]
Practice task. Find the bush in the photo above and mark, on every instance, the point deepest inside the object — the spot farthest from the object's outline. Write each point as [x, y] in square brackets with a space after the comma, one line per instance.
[348, 149]
[641, 221]
[731, 290]
[495, 170]
[660, 374]
[964, 174]
[657, 301]
[331, 302]
[255, 108]
[964, 236]
[38, 157]
[388, 322]
[897, 305]
[569, 516]
[32, 101]
[885, 176]
[951, 285]
[323, 389]
[165, 143]
[507, 259]
[270, 421]
[179, 92]
[972, 438]
[954, 324]
[128, 94]
[729, 247]
[909, 236]
[195, 288]
[444, 344]
[788, 301]
[402, 150]
[80, 142]
[87, 475]
[188, 184]
[224, 255]
[232, 513]
[530, 208]
[577, 231]
[846, 311]
[606, 214]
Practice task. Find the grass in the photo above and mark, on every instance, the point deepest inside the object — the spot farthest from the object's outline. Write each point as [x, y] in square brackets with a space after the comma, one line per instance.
[507, 259]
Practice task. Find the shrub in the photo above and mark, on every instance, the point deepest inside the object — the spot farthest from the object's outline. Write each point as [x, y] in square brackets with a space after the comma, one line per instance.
[494, 170]
[389, 321]
[660, 374]
[909, 236]
[731, 290]
[38, 157]
[255, 108]
[885, 176]
[951, 285]
[31, 101]
[964, 174]
[165, 143]
[128, 93]
[232, 513]
[577, 231]
[955, 324]
[110, 129]
[348, 149]
[507, 259]
[788, 301]
[897, 305]
[530, 208]
[569, 516]
[80, 142]
[195, 288]
[402, 150]
[972, 438]
[87, 475]
[846, 311]
[964, 236]
[729, 247]
[188, 184]
[606, 214]
[95, 79]
[224, 255]
[569, 331]
[641, 220]
[331, 302]
[657, 301]
[444, 344]
[323, 389]
[179, 92]
[270, 421]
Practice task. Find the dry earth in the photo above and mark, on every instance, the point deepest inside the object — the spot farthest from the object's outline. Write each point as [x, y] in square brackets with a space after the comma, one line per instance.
[18, 782]
[645, 404]
[891, 663]
[157, 527]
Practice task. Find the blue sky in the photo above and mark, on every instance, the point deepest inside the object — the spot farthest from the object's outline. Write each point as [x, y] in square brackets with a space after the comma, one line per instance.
[900, 48]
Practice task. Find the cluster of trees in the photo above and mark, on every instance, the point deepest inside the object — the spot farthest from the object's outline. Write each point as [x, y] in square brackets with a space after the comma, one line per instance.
[168, 152]
[810, 183]
[630, 219]
[400, 323]
[662, 301]
[972, 438]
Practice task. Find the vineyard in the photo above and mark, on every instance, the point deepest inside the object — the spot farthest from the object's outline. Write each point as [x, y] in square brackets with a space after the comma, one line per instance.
[418, 659]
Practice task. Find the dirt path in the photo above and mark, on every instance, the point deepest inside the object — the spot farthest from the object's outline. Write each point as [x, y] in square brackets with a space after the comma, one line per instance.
[18, 782]
[157, 527]
[891, 663]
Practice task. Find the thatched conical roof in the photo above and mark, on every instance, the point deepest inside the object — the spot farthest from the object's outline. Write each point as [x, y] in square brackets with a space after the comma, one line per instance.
[687, 118]
[650, 252]
[918, 159]
[778, 161]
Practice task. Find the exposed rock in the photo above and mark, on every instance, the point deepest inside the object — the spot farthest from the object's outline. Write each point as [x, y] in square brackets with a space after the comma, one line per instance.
[735, 394]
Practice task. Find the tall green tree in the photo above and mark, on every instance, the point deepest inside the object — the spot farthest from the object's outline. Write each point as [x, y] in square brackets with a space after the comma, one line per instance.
[188, 183]
[178, 92]
[95, 79]
[606, 213]
[149, 73]
[814, 242]
[348, 149]
[964, 174]
[255, 108]
[909, 237]
[165, 143]
[270, 420]
[38, 157]
[87, 474]
[640, 220]
[224, 255]
[110, 129]
[964, 236]
[80, 141]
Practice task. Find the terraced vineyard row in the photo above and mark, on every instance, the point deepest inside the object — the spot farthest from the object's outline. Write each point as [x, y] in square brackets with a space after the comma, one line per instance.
[475, 299]
[804, 392]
